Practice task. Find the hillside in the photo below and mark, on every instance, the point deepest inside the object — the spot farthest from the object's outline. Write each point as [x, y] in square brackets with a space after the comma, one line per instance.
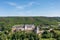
[30, 20]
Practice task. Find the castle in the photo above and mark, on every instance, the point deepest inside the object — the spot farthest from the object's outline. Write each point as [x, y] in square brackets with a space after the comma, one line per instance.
[25, 27]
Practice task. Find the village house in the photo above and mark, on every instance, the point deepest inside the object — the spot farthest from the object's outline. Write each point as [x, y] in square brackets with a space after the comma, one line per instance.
[50, 29]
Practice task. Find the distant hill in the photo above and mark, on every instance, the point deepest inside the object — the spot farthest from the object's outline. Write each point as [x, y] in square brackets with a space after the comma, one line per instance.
[30, 20]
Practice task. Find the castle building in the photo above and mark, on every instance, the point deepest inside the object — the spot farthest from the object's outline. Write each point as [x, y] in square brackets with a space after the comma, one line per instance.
[23, 27]
[27, 27]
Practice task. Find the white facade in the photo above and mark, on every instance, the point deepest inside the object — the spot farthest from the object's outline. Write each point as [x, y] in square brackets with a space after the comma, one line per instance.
[29, 27]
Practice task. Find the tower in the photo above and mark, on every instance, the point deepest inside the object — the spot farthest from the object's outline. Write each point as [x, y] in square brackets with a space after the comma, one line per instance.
[37, 29]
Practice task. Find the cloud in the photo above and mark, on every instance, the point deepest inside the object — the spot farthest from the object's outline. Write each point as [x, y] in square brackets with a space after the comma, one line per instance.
[33, 3]
[15, 5]
[11, 3]
[22, 6]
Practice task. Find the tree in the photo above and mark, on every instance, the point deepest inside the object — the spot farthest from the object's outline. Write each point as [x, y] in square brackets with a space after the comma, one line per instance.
[2, 36]
[46, 34]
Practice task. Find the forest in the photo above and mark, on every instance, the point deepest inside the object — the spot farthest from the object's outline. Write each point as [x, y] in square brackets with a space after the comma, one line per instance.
[6, 24]
[30, 20]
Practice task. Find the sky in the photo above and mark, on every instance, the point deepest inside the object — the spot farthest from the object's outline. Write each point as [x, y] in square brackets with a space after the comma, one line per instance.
[30, 8]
